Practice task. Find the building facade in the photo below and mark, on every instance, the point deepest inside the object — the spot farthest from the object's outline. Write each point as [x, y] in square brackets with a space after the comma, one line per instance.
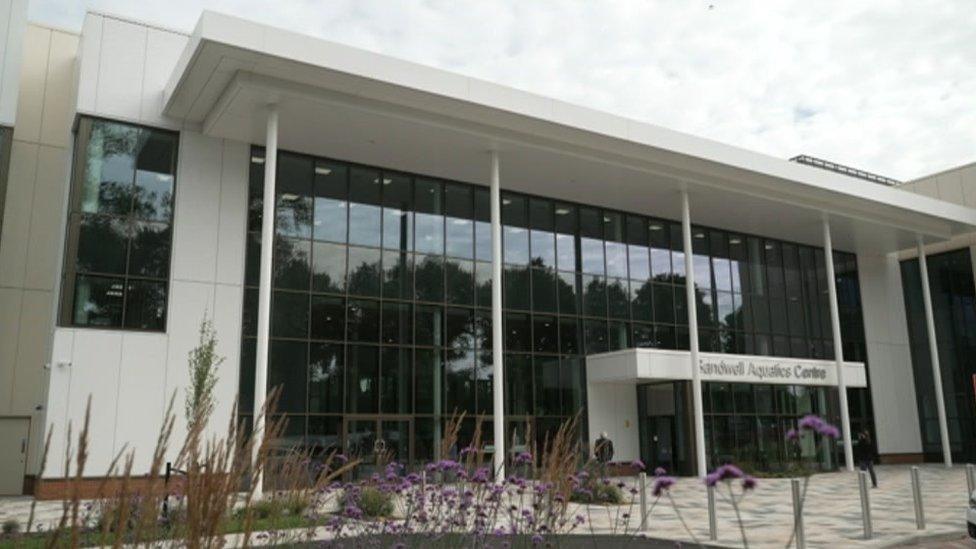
[392, 245]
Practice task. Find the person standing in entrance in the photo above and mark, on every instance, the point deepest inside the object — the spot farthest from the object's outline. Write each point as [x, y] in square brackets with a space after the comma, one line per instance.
[603, 450]
[864, 454]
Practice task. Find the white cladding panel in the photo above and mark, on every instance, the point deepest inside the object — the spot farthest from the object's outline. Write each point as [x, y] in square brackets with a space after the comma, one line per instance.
[124, 67]
[889, 355]
[13, 24]
[612, 407]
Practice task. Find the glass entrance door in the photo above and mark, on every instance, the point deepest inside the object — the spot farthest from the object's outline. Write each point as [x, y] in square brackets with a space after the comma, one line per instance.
[377, 441]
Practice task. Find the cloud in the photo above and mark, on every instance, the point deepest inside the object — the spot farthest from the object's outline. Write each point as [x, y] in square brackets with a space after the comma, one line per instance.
[885, 86]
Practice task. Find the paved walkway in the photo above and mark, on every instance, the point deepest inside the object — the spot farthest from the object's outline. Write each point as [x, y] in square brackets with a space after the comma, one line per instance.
[832, 511]
[832, 515]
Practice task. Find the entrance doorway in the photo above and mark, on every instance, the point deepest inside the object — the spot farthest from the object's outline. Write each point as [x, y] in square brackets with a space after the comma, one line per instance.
[14, 433]
[660, 438]
[377, 441]
[664, 426]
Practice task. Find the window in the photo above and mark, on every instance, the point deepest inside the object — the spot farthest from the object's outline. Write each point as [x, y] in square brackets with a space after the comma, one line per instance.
[120, 220]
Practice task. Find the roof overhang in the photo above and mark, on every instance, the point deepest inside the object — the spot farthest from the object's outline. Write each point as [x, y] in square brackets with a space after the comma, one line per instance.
[350, 104]
[653, 365]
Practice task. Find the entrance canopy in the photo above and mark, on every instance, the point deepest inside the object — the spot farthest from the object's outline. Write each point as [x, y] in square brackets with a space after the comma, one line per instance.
[355, 105]
[648, 365]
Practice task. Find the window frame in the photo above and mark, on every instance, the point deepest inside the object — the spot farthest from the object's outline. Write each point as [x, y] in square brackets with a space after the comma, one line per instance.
[69, 273]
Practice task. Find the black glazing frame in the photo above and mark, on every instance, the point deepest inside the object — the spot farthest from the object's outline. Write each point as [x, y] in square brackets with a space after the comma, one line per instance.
[83, 127]
[580, 317]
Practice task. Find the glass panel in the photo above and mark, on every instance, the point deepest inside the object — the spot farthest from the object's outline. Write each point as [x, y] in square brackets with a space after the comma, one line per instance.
[459, 381]
[110, 167]
[592, 254]
[429, 278]
[287, 372]
[594, 296]
[518, 384]
[328, 317]
[569, 340]
[330, 219]
[641, 300]
[518, 335]
[145, 305]
[618, 298]
[396, 381]
[429, 394]
[363, 320]
[397, 216]
[155, 167]
[365, 272]
[362, 379]
[98, 301]
[460, 281]
[544, 334]
[568, 293]
[289, 314]
[565, 237]
[596, 336]
[429, 325]
[102, 243]
[294, 201]
[543, 290]
[459, 329]
[516, 293]
[397, 275]
[429, 218]
[328, 267]
[460, 224]
[325, 378]
[547, 393]
[149, 253]
[364, 211]
[482, 274]
[397, 323]
[616, 259]
[292, 263]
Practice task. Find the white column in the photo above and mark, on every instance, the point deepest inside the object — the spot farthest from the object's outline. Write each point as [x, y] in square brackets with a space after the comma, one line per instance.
[845, 414]
[923, 268]
[264, 284]
[498, 377]
[692, 306]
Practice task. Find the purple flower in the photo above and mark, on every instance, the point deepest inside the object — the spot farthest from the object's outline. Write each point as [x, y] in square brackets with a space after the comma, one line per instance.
[792, 434]
[523, 457]
[749, 483]
[537, 539]
[637, 464]
[829, 431]
[811, 422]
[660, 472]
[724, 472]
[661, 485]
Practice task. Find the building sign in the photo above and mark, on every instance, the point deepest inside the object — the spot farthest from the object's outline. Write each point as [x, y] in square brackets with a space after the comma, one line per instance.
[763, 370]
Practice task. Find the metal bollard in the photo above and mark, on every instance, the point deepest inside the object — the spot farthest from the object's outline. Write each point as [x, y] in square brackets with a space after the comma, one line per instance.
[712, 518]
[862, 483]
[917, 495]
[970, 479]
[801, 541]
[642, 482]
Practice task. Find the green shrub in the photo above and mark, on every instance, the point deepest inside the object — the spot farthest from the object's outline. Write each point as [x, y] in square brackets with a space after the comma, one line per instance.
[11, 526]
[372, 501]
[598, 492]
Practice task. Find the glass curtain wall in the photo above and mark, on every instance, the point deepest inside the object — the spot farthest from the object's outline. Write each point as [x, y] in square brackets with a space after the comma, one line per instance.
[954, 312]
[382, 297]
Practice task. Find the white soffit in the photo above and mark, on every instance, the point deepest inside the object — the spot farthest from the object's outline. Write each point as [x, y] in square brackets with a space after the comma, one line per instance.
[351, 104]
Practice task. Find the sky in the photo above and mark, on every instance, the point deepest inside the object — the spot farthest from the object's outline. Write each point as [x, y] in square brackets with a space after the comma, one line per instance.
[887, 86]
